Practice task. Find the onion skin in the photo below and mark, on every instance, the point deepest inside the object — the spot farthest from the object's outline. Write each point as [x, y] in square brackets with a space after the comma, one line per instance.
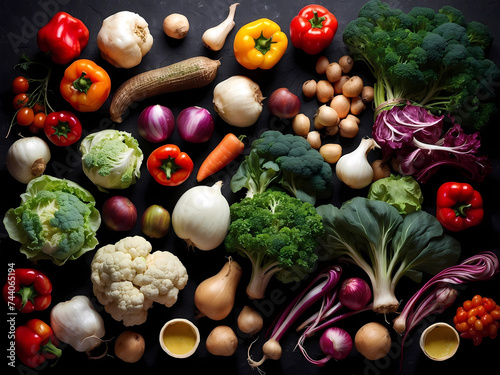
[119, 213]
[156, 123]
[283, 104]
[195, 124]
[155, 221]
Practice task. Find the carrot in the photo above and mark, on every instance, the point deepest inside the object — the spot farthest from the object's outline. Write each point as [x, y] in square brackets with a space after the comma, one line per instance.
[225, 152]
[191, 73]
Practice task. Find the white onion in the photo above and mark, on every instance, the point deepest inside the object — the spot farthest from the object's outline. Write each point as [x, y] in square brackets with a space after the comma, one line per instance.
[27, 158]
[238, 101]
[201, 217]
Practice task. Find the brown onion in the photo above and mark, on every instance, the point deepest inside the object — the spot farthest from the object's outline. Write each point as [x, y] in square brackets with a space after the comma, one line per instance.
[301, 125]
[337, 87]
[324, 91]
[309, 88]
[346, 63]
[283, 104]
[333, 72]
[321, 64]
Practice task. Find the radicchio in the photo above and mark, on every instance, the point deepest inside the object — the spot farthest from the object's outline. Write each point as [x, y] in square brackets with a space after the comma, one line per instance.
[413, 137]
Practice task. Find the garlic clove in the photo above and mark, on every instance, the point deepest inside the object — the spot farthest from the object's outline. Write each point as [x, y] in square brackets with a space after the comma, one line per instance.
[215, 37]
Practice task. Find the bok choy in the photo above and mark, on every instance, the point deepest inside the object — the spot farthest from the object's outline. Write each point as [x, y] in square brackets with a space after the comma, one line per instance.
[386, 245]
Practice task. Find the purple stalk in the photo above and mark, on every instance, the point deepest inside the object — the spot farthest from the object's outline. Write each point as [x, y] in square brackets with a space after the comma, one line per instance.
[303, 301]
[480, 267]
[312, 293]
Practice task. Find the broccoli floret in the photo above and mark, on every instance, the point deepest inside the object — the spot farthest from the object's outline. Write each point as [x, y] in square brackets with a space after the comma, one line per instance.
[479, 34]
[286, 160]
[278, 233]
[435, 46]
[452, 33]
[453, 14]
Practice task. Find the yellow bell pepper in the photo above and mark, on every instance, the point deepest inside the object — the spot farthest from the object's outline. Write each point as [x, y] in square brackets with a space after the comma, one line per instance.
[260, 44]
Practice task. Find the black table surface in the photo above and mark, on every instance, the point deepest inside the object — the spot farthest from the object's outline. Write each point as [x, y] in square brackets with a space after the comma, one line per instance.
[18, 36]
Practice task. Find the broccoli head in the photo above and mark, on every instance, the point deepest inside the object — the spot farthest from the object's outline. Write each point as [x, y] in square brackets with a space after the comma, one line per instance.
[278, 233]
[416, 56]
[288, 161]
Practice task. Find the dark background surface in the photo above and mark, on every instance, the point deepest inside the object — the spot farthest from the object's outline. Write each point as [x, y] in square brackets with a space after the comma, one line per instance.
[18, 35]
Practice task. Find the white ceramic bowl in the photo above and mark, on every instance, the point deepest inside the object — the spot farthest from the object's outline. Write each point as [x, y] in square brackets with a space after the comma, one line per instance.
[443, 350]
[188, 325]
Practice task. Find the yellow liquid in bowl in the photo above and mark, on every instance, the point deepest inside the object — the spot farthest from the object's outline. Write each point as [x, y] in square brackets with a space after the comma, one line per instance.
[179, 338]
[440, 342]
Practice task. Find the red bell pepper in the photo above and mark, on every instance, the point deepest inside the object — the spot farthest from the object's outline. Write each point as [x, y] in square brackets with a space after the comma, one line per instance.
[458, 206]
[62, 128]
[169, 166]
[36, 343]
[313, 29]
[64, 37]
[27, 290]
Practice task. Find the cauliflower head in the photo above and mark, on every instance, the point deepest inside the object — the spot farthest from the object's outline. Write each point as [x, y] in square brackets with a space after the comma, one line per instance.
[127, 278]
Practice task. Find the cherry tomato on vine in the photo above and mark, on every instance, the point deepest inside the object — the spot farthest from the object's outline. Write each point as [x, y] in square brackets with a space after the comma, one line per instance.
[38, 107]
[25, 116]
[20, 84]
[39, 120]
[20, 100]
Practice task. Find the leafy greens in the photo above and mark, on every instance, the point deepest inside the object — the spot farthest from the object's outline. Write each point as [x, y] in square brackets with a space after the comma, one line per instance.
[386, 245]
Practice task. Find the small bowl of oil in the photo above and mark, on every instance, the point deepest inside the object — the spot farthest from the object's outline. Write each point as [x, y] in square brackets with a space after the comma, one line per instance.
[179, 338]
[439, 341]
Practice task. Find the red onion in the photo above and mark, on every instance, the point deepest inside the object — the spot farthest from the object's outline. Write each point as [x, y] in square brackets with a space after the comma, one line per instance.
[195, 124]
[336, 343]
[156, 123]
[355, 293]
[119, 213]
[283, 104]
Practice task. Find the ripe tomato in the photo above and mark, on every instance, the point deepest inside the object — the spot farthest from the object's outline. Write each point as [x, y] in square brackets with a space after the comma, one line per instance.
[39, 120]
[20, 100]
[25, 116]
[20, 84]
[38, 107]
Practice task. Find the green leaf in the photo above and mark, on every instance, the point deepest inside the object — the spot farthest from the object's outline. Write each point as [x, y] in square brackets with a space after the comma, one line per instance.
[421, 244]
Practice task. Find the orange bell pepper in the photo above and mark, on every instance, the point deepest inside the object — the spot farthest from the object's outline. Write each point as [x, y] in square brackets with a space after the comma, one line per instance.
[85, 85]
[260, 44]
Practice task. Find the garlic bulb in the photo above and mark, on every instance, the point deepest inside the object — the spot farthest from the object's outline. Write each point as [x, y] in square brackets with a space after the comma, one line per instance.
[353, 168]
[215, 37]
[124, 39]
[238, 101]
[27, 158]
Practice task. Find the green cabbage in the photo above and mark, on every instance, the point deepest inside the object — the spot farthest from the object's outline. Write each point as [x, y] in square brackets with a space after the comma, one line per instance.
[56, 220]
[400, 192]
[111, 159]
